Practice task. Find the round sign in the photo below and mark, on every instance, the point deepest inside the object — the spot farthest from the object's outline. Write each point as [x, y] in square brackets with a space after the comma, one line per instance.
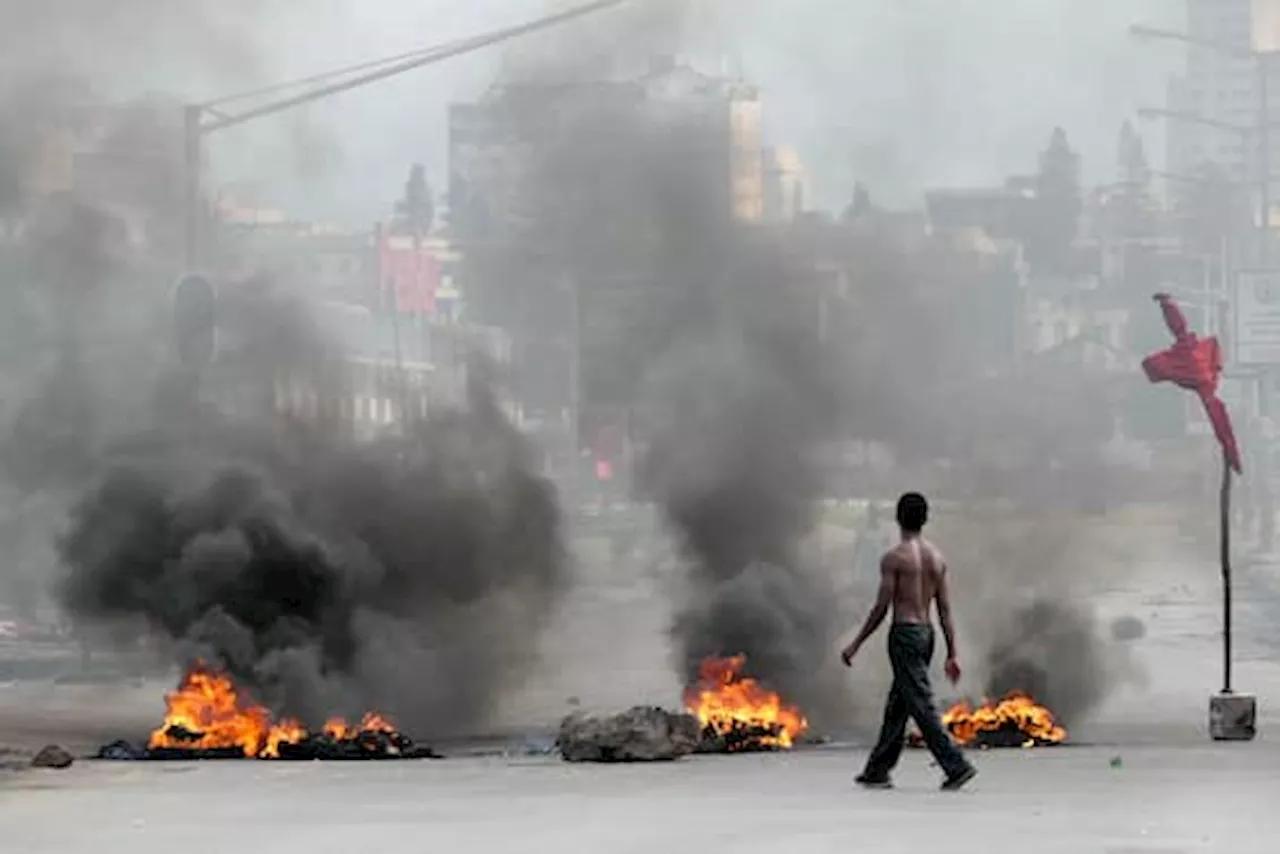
[1266, 290]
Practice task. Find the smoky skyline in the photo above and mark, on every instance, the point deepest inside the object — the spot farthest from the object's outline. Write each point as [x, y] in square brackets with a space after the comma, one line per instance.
[925, 94]
[902, 96]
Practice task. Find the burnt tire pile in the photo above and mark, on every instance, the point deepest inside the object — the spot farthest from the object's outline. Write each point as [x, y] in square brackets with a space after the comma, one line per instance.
[363, 746]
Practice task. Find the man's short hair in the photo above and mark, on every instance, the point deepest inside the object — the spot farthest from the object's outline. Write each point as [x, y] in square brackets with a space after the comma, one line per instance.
[913, 512]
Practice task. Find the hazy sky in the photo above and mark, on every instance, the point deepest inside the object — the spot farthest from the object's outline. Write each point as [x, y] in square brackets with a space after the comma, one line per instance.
[901, 93]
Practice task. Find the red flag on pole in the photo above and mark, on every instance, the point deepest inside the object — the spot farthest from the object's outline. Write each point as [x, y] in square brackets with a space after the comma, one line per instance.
[1195, 364]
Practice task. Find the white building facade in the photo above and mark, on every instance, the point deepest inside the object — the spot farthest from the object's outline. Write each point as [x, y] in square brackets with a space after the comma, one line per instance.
[1224, 88]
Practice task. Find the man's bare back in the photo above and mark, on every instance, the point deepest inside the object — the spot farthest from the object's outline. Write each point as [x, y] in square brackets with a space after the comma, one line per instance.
[915, 568]
[913, 576]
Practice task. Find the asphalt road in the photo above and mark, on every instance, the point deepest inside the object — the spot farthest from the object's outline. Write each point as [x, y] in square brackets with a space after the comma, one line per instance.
[1174, 790]
[1190, 799]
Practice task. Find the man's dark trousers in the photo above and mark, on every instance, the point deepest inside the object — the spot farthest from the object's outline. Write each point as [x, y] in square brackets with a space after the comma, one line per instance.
[910, 651]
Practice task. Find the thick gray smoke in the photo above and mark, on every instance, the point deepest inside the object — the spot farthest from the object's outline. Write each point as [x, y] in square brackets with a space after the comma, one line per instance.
[1027, 622]
[1055, 651]
[690, 324]
[732, 462]
[82, 189]
[126, 44]
[319, 569]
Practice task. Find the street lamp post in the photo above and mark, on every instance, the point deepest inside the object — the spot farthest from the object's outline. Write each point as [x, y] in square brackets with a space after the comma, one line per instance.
[202, 119]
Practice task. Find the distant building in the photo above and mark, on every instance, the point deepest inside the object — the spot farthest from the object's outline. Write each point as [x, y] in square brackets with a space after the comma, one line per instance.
[1220, 87]
[392, 370]
[494, 141]
[386, 301]
[507, 151]
[785, 185]
[326, 263]
[115, 159]
[379, 268]
[998, 211]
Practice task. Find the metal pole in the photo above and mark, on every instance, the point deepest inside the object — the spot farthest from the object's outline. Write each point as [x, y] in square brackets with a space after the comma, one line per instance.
[195, 127]
[416, 60]
[1224, 524]
[1210, 326]
[191, 133]
[1263, 63]
[575, 385]
[1264, 157]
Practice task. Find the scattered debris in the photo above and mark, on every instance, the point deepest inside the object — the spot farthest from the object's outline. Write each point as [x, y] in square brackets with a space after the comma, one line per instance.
[362, 746]
[120, 751]
[535, 745]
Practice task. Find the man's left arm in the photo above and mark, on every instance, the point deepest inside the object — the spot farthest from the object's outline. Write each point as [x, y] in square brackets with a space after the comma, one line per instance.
[880, 610]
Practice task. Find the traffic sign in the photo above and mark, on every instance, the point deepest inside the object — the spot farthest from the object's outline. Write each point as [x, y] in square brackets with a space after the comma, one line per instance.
[1257, 317]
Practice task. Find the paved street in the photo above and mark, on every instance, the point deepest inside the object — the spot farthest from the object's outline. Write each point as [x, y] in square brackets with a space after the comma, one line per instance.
[1189, 799]
[1174, 790]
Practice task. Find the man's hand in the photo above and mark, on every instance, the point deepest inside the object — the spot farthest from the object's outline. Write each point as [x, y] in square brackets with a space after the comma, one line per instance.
[848, 653]
[952, 670]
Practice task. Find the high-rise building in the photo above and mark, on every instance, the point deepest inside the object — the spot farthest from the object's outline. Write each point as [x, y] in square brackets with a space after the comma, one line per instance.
[493, 142]
[785, 184]
[1224, 88]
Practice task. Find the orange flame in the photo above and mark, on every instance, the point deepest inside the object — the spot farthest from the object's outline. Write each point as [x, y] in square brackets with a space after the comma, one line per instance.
[207, 713]
[1017, 712]
[724, 701]
[340, 730]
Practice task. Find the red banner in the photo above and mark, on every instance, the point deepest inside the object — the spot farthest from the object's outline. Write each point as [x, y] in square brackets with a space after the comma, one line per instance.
[410, 278]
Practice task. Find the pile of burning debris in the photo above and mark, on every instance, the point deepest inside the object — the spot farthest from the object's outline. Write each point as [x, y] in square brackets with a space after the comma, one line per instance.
[206, 718]
[737, 714]
[726, 712]
[1015, 721]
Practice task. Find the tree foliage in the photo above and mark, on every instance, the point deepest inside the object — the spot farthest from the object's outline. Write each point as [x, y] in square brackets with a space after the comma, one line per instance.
[416, 211]
[1054, 219]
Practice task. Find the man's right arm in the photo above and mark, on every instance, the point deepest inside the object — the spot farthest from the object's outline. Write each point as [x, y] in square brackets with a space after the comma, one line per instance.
[944, 616]
[884, 600]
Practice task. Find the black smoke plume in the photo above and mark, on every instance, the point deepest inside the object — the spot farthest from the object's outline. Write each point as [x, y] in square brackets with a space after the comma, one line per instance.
[1026, 623]
[319, 569]
[732, 464]
[693, 322]
[330, 574]
[327, 574]
[1055, 652]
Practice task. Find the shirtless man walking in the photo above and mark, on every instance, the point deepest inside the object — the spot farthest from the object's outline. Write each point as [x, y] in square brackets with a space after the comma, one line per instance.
[913, 575]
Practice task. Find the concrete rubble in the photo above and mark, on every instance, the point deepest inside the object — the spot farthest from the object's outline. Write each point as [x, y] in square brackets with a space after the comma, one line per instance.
[53, 756]
[640, 734]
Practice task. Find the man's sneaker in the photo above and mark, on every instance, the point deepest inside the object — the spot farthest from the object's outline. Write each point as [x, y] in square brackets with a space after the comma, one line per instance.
[956, 782]
[868, 782]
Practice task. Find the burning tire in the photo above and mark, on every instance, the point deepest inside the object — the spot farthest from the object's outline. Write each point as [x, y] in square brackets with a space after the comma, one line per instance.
[207, 719]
